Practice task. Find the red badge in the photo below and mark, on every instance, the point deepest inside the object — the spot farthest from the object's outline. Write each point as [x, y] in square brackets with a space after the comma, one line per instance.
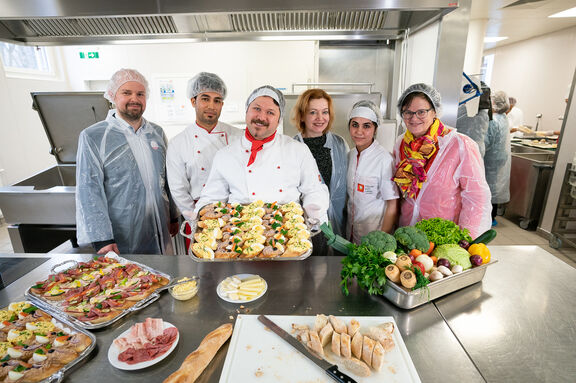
[319, 178]
[361, 188]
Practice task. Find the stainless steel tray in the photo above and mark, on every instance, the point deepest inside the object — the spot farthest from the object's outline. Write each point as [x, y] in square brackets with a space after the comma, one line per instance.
[194, 226]
[408, 299]
[62, 322]
[55, 307]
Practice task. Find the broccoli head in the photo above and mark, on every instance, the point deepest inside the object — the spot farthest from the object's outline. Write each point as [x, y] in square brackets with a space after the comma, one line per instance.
[380, 241]
[411, 237]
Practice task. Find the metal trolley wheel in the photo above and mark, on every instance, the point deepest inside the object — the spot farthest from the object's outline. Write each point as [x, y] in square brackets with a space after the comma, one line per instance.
[555, 242]
[525, 223]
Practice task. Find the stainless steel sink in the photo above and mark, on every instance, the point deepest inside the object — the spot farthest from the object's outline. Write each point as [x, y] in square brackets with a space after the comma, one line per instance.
[536, 157]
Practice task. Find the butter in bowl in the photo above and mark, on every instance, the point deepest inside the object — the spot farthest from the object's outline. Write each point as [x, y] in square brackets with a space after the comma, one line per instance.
[186, 288]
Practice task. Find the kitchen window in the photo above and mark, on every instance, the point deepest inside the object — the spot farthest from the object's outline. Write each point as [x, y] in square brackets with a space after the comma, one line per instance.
[25, 61]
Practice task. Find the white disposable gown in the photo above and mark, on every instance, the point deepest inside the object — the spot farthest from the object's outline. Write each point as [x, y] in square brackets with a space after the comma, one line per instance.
[338, 151]
[456, 188]
[189, 160]
[284, 171]
[370, 185]
[498, 159]
[121, 191]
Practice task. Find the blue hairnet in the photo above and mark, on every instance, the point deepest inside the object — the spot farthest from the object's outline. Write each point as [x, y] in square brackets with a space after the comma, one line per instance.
[500, 102]
[430, 92]
[205, 82]
[120, 78]
[269, 91]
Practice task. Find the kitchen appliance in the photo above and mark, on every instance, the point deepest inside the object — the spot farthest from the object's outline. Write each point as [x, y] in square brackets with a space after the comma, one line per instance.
[40, 210]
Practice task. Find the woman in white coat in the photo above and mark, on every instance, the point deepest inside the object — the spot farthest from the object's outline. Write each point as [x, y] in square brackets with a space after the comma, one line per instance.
[372, 195]
[313, 115]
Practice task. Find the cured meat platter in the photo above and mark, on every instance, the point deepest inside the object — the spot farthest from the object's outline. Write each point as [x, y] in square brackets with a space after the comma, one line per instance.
[36, 347]
[257, 354]
[252, 232]
[98, 293]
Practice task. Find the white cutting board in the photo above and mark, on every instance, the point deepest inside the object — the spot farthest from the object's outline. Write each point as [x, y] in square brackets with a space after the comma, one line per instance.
[256, 354]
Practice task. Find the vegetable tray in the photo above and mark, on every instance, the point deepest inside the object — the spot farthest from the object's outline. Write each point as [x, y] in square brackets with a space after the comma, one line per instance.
[407, 299]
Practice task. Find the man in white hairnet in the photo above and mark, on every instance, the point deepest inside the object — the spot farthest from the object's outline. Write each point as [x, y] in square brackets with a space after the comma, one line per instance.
[122, 199]
[191, 152]
[266, 165]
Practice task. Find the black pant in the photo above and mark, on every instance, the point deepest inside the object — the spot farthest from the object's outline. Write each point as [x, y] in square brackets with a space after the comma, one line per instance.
[494, 210]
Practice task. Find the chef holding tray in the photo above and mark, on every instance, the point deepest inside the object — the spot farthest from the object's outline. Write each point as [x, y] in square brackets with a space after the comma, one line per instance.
[266, 165]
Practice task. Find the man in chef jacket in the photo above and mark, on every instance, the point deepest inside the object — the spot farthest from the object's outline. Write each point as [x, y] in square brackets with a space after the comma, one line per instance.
[191, 152]
[266, 165]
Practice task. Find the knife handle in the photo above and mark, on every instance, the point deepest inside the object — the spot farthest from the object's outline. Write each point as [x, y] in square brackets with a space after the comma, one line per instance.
[339, 376]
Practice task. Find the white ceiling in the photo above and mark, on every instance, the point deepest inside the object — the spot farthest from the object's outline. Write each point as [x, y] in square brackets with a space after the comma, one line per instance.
[522, 21]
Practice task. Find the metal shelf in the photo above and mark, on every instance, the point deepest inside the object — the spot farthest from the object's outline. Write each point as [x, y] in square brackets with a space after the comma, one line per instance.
[564, 226]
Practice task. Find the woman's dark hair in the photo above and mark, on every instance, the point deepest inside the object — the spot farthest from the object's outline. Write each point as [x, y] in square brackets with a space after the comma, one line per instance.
[408, 99]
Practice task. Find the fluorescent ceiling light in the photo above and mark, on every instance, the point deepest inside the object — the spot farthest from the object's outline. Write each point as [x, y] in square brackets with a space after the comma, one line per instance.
[567, 13]
[494, 39]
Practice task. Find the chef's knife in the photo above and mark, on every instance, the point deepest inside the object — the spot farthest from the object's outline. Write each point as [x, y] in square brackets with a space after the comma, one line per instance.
[331, 369]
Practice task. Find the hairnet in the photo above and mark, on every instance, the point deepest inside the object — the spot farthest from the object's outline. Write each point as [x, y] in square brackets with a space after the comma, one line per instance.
[120, 78]
[205, 82]
[430, 92]
[269, 91]
[500, 102]
[512, 101]
[366, 109]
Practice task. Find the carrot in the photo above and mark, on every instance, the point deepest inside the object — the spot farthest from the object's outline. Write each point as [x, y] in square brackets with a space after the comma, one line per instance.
[434, 259]
[415, 252]
[431, 248]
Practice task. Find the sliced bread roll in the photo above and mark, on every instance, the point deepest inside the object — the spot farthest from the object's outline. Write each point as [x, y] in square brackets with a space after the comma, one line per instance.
[377, 357]
[326, 334]
[345, 348]
[367, 349]
[357, 345]
[357, 367]
[314, 343]
[382, 336]
[320, 322]
[338, 324]
[353, 327]
[336, 343]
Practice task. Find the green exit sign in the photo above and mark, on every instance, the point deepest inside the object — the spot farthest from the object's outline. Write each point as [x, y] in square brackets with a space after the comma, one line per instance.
[89, 55]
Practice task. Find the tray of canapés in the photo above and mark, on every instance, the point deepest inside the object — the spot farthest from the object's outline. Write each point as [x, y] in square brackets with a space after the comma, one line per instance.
[37, 347]
[99, 292]
[246, 232]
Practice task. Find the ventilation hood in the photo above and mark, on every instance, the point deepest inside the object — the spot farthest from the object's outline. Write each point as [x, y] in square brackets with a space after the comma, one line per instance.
[62, 22]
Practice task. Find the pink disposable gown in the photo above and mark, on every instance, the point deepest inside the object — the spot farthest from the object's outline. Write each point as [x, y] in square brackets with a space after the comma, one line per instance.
[456, 188]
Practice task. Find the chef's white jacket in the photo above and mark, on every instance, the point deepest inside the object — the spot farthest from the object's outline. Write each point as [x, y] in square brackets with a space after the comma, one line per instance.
[284, 171]
[189, 159]
[370, 185]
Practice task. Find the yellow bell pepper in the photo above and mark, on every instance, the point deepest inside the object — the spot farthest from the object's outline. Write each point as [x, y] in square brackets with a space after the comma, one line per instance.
[481, 250]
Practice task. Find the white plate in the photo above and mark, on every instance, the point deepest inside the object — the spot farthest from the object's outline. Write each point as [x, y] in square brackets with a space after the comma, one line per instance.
[113, 353]
[241, 277]
[256, 351]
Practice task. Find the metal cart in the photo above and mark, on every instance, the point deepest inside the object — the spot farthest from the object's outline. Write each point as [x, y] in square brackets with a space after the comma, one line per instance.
[564, 227]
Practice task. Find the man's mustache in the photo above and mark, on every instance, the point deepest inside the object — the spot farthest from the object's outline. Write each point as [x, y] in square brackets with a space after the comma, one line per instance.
[257, 121]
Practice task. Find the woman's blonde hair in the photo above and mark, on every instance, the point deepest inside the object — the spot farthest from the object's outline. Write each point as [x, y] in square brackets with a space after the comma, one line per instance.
[299, 109]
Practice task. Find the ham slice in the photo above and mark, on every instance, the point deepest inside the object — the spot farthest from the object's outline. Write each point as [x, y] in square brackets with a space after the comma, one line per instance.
[141, 334]
[156, 347]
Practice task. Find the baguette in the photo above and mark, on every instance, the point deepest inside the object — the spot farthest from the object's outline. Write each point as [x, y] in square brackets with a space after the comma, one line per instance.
[199, 359]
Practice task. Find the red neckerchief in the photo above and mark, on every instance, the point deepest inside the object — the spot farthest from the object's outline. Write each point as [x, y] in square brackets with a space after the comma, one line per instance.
[256, 145]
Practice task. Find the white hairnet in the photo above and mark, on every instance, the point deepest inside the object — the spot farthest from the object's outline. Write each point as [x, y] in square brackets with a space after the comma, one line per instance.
[500, 102]
[430, 92]
[366, 109]
[205, 82]
[120, 78]
[269, 91]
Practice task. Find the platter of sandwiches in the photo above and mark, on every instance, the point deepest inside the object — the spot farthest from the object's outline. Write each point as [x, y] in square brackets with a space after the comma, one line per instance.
[36, 347]
[368, 349]
[97, 293]
[255, 231]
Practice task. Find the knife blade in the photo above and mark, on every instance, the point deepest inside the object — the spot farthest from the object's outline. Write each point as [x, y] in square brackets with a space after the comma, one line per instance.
[330, 369]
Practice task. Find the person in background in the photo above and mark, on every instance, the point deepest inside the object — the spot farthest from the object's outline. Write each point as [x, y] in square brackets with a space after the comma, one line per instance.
[122, 198]
[498, 157]
[440, 172]
[476, 127]
[313, 115]
[191, 152]
[372, 195]
[515, 118]
[266, 165]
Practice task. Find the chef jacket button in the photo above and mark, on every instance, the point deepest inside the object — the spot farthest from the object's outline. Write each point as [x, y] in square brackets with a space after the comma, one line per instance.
[198, 151]
[280, 190]
[249, 171]
[203, 185]
[278, 167]
[246, 150]
[202, 168]
[221, 135]
[253, 193]
[195, 136]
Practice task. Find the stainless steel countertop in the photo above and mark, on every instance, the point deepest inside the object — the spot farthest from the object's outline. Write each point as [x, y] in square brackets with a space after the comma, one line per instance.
[515, 326]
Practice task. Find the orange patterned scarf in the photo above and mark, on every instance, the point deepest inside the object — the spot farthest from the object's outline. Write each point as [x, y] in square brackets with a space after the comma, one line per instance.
[416, 156]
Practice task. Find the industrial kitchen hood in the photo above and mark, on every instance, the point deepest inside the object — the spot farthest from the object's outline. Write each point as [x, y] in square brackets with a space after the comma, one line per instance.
[60, 22]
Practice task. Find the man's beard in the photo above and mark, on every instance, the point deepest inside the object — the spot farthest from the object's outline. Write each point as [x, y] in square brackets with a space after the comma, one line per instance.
[131, 114]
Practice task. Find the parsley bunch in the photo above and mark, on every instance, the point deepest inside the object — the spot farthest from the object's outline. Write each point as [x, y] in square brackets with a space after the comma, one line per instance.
[367, 265]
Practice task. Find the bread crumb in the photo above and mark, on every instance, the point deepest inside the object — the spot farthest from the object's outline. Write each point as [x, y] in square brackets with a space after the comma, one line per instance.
[241, 306]
[231, 317]
[259, 372]
[248, 347]
[391, 369]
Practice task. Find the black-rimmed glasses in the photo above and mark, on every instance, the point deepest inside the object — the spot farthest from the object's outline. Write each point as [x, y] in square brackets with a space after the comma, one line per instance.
[420, 113]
